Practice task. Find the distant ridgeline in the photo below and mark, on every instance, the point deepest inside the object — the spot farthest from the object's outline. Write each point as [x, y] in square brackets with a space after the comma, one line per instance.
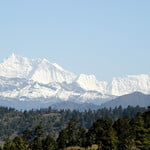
[48, 129]
[37, 83]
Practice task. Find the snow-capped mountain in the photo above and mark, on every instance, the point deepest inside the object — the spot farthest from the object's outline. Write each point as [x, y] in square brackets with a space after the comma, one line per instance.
[16, 92]
[40, 70]
[89, 82]
[28, 80]
[27, 89]
[129, 84]
[118, 86]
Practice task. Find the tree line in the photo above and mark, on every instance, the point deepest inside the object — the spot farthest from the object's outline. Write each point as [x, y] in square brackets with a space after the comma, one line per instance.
[124, 133]
[14, 122]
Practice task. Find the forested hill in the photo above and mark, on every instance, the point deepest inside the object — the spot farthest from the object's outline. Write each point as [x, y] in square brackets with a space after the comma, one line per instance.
[13, 122]
[104, 134]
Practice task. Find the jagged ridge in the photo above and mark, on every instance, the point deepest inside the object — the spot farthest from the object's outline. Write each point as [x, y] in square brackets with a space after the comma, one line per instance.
[26, 79]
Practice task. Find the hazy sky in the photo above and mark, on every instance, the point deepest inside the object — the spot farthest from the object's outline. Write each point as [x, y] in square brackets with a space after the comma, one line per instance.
[108, 38]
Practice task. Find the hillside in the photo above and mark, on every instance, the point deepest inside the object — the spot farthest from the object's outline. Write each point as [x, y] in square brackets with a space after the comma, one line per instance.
[132, 99]
[14, 122]
[103, 133]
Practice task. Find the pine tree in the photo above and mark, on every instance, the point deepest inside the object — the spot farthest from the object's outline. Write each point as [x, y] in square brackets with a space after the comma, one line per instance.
[72, 133]
[9, 145]
[81, 137]
[49, 143]
[125, 134]
[37, 144]
[141, 133]
[27, 135]
[62, 139]
[39, 132]
[20, 144]
[102, 134]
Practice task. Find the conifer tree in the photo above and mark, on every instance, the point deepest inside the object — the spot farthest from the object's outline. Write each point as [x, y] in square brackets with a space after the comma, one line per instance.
[125, 134]
[9, 145]
[49, 143]
[20, 144]
[62, 139]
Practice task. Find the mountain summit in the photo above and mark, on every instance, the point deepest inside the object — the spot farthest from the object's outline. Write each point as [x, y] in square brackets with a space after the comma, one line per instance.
[40, 70]
[38, 80]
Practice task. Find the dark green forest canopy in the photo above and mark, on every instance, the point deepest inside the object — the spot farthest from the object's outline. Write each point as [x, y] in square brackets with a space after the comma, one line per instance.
[14, 122]
[125, 133]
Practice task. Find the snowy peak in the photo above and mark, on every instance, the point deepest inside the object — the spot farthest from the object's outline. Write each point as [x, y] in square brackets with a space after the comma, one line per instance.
[25, 90]
[40, 70]
[118, 86]
[129, 84]
[45, 72]
[89, 82]
[15, 66]
[83, 79]
[58, 67]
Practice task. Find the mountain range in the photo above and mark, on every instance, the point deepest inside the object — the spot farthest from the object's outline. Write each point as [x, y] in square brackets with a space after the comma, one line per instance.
[33, 83]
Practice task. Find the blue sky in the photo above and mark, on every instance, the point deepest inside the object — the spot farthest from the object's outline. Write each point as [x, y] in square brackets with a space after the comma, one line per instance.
[102, 37]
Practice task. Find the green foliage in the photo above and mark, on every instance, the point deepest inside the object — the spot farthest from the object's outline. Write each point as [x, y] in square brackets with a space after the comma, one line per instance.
[72, 133]
[9, 145]
[125, 133]
[142, 131]
[27, 135]
[49, 143]
[103, 134]
[62, 139]
[70, 136]
[38, 132]
[13, 121]
[20, 144]
[82, 137]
